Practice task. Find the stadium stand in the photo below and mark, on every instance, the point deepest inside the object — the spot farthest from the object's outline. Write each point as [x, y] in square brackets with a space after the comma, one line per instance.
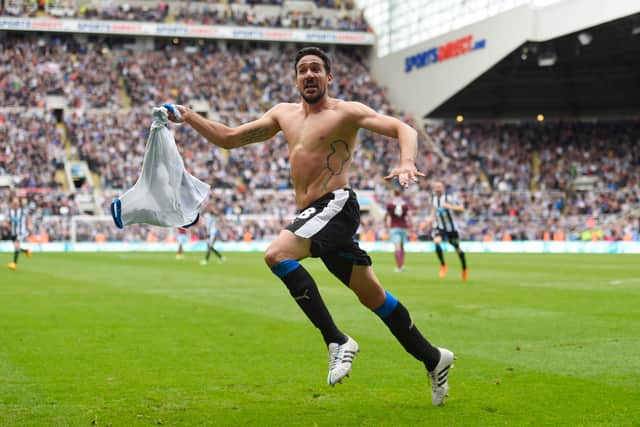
[325, 15]
[526, 111]
[564, 180]
[34, 68]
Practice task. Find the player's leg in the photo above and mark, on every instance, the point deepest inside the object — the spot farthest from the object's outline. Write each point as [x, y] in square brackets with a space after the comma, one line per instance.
[207, 254]
[397, 249]
[16, 249]
[182, 239]
[437, 361]
[437, 241]
[282, 257]
[212, 248]
[205, 261]
[403, 239]
[362, 280]
[396, 238]
[16, 252]
[398, 255]
[25, 251]
[455, 242]
[367, 287]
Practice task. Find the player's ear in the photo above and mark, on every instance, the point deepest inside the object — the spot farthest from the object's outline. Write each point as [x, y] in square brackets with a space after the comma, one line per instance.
[329, 78]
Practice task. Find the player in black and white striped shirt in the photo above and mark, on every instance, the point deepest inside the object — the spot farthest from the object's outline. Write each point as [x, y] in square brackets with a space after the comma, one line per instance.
[19, 223]
[444, 226]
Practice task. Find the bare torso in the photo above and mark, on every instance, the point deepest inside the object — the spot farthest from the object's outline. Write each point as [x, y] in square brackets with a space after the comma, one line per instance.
[321, 145]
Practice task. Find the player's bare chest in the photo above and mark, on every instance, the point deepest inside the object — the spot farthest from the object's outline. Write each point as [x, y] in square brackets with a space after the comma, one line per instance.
[316, 130]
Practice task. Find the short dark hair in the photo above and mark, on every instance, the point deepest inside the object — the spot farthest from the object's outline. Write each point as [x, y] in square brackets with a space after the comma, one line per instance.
[312, 50]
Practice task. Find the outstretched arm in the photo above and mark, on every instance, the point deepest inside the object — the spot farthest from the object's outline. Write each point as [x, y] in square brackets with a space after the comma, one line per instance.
[389, 126]
[224, 136]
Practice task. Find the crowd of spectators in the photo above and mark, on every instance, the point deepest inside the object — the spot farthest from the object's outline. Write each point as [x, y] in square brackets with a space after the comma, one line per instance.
[32, 68]
[517, 180]
[31, 148]
[338, 15]
[236, 80]
[535, 180]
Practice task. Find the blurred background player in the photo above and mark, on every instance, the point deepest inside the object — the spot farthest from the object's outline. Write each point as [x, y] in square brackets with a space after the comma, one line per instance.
[182, 237]
[19, 223]
[212, 230]
[445, 227]
[398, 220]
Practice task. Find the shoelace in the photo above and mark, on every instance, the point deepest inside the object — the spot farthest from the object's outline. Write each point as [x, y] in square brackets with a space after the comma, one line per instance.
[434, 383]
[434, 380]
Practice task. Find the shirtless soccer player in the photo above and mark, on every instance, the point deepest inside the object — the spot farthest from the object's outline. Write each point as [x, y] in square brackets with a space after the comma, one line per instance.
[321, 133]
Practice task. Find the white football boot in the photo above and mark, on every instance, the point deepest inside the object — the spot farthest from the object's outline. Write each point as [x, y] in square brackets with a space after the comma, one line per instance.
[340, 360]
[439, 377]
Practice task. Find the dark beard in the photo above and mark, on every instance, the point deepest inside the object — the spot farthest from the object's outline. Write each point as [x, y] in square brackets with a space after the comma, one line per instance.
[312, 99]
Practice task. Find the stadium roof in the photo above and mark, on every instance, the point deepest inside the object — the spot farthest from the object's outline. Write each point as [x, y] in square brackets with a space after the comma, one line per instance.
[400, 24]
[592, 72]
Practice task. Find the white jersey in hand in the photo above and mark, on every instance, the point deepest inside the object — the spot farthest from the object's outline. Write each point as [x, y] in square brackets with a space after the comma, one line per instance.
[165, 194]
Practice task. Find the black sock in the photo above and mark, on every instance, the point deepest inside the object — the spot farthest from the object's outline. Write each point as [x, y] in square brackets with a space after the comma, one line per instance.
[304, 290]
[15, 256]
[399, 322]
[462, 260]
[23, 250]
[439, 253]
[208, 253]
[460, 255]
[218, 254]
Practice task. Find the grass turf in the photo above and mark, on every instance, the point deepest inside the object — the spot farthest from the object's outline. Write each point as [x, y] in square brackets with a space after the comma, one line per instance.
[143, 339]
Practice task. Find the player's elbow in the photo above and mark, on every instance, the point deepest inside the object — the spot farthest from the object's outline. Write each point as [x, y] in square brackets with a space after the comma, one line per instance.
[407, 130]
[225, 143]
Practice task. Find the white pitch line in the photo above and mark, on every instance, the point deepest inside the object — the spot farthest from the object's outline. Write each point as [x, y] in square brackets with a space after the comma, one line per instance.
[622, 281]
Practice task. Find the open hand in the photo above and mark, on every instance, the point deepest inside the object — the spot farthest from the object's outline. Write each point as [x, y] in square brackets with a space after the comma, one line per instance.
[405, 174]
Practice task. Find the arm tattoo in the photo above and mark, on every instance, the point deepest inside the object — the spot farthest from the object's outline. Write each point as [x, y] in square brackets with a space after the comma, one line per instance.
[337, 158]
[253, 135]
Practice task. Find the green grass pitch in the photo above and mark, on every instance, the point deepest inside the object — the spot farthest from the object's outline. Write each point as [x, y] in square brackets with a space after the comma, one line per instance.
[142, 339]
